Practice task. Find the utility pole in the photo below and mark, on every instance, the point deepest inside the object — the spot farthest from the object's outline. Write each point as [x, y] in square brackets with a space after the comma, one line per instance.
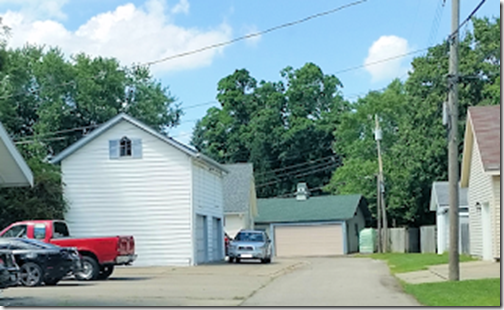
[453, 168]
[378, 212]
[383, 236]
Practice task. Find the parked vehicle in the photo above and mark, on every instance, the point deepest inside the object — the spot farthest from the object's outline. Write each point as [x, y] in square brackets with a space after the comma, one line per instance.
[9, 270]
[41, 262]
[99, 254]
[250, 244]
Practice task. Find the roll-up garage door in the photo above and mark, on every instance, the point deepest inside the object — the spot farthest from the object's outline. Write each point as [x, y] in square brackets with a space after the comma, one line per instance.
[309, 240]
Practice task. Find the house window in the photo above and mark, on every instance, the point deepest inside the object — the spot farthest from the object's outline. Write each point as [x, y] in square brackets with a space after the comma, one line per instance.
[125, 147]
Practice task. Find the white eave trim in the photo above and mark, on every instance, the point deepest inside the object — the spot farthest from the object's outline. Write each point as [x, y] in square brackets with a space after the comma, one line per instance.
[11, 148]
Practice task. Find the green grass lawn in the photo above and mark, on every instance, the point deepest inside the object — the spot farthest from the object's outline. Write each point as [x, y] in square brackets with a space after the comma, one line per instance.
[485, 292]
[406, 262]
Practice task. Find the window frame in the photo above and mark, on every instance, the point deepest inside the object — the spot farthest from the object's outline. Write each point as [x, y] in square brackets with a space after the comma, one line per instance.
[125, 147]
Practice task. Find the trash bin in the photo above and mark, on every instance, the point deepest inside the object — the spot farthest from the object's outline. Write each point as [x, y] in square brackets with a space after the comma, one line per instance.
[367, 240]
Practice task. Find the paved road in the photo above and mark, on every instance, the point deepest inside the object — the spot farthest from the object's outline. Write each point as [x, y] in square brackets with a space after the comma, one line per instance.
[341, 281]
[288, 282]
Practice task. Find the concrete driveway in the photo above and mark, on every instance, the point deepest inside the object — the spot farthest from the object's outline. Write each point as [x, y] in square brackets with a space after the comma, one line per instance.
[337, 281]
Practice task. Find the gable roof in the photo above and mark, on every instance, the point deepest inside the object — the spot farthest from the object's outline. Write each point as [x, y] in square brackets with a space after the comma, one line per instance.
[314, 209]
[482, 130]
[237, 187]
[124, 117]
[440, 195]
[13, 169]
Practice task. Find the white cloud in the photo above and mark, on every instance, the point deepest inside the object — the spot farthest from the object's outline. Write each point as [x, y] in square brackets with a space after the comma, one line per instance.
[39, 8]
[253, 41]
[383, 48]
[129, 33]
[181, 7]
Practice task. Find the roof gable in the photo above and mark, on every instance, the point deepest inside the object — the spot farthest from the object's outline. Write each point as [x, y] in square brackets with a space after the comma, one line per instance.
[485, 122]
[13, 157]
[124, 117]
[237, 187]
[483, 132]
[440, 195]
[314, 209]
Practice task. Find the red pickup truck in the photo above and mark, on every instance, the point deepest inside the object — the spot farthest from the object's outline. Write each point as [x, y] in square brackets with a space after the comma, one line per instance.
[99, 254]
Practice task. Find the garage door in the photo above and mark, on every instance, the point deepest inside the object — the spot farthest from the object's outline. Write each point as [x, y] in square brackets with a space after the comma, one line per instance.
[201, 239]
[309, 240]
[217, 239]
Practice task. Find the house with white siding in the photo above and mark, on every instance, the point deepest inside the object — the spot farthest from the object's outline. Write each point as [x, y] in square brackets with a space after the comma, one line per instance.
[126, 178]
[240, 199]
[480, 174]
[440, 203]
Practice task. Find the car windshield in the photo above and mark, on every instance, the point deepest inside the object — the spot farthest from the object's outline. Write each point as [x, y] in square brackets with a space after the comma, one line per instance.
[249, 236]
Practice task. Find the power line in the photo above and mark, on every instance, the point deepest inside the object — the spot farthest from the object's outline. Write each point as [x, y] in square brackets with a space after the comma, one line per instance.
[381, 61]
[297, 165]
[331, 166]
[450, 37]
[254, 34]
[286, 174]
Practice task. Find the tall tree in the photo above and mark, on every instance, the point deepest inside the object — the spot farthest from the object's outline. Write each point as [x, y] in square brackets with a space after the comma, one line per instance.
[44, 97]
[415, 145]
[275, 125]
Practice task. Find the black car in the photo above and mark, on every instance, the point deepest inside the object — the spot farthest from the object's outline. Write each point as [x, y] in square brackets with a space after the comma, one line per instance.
[41, 262]
[9, 270]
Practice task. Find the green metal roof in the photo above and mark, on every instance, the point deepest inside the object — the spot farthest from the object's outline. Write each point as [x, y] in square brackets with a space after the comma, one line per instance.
[320, 208]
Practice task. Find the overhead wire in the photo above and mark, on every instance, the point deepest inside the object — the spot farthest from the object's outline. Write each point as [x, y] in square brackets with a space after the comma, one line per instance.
[254, 34]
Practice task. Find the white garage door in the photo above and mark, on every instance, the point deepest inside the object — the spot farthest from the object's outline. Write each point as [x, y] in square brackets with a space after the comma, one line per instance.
[201, 239]
[309, 240]
[218, 239]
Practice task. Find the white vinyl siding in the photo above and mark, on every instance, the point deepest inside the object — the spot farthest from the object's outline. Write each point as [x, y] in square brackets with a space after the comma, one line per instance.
[147, 197]
[208, 201]
[496, 216]
[480, 191]
[234, 223]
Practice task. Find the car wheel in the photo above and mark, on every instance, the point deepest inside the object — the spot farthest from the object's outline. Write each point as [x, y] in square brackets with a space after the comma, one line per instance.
[230, 260]
[51, 281]
[90, 269]
[237, 260]
[30, 275]
[105, 272]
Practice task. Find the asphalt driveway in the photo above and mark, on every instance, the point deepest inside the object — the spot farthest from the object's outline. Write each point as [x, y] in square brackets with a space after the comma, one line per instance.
[336, 281]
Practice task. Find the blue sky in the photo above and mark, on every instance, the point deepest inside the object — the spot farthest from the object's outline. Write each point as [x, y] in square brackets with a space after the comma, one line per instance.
[142, 31]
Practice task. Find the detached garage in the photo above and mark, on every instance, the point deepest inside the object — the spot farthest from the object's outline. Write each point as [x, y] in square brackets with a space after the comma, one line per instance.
[315, 226]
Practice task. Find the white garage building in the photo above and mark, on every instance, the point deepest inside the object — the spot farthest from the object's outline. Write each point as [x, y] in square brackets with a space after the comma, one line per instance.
[314, 226]
[125, 178]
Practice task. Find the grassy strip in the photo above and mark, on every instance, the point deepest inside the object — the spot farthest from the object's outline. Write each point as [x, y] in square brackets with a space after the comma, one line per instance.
[470, 293]
[406, 262]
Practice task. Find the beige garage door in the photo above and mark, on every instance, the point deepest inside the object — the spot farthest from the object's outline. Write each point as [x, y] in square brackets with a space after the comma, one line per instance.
[308, 240]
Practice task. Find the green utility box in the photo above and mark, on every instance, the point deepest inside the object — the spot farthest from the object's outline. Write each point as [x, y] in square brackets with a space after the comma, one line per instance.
[367, 240]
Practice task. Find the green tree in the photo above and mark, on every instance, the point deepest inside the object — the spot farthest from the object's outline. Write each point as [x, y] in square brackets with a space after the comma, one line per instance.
[275, 125]
[42, 92]
[414, 138]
